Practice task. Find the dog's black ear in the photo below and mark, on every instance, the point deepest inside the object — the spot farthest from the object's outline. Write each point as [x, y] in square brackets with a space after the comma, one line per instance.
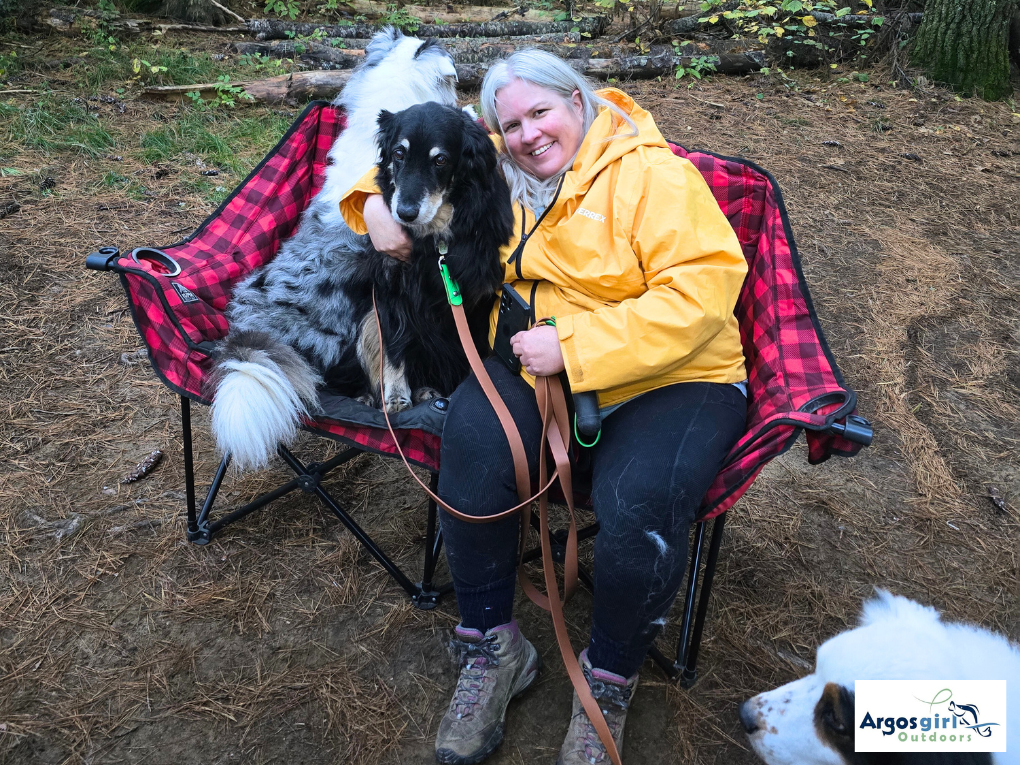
[477, 153]
[388, 126]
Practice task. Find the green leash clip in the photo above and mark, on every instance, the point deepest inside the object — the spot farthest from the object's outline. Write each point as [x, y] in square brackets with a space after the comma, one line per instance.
[452, 288]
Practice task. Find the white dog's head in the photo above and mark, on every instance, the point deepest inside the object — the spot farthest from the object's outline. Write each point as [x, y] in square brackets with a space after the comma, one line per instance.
[811, 721]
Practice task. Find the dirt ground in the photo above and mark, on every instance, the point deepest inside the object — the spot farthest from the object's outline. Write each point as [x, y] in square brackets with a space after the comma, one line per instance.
[283, 642]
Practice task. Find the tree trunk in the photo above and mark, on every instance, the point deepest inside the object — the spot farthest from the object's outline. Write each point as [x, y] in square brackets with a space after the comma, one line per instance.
[964, 43]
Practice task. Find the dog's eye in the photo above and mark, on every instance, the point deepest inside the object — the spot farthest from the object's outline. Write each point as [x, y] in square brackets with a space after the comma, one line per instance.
[441, 160]
[398, 153]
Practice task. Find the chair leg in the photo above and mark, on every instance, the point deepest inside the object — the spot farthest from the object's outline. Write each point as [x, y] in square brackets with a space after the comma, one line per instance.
[425, 595]
[689, 673]
[428, 595]
[692, 585]
[189, 467]
[309, 482]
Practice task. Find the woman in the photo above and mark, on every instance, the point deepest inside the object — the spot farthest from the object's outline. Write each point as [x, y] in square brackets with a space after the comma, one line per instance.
[623, 243]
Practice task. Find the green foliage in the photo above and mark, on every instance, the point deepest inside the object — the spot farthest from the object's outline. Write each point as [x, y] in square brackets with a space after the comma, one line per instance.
[283, 8]
[698, 67]
[400, 18]
[9, 64]
[145, 71]
[54, 124]
[260, 63]
[112, 180]
[103, 32]
[224, 94]
[144, 63]
[793, 21]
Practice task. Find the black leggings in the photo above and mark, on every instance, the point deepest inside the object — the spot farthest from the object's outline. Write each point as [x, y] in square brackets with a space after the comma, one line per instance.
[657, 456]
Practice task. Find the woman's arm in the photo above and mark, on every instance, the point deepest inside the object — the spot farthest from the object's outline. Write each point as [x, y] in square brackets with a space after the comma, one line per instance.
[364, 210]
[386, 234]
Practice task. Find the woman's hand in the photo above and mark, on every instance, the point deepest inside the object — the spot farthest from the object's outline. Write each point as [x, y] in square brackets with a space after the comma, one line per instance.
[386, 234]
[539, 350]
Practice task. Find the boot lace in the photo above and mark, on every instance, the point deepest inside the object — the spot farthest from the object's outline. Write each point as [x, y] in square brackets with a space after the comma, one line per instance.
[613, 700]
[477, 660]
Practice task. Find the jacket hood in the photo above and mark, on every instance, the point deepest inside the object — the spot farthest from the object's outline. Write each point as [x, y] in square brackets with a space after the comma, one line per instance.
[596, 152]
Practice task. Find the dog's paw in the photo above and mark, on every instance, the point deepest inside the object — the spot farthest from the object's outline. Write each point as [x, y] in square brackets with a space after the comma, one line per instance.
[397, 403]
[367, 399]
[425, 394]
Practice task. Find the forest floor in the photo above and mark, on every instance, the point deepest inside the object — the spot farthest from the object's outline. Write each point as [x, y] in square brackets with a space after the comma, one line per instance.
[283, 641]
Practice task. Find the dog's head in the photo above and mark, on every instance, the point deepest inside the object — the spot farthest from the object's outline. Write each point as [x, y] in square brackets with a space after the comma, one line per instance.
[426, 153]
[811, 721]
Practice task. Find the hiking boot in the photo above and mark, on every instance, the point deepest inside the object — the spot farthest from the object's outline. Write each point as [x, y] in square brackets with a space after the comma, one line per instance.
[494, 668]
[613, 693]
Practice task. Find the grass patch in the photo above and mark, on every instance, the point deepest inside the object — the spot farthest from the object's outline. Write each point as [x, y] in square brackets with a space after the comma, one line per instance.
[54, 124]
[109, 68]
[212, 191]
[220, 138]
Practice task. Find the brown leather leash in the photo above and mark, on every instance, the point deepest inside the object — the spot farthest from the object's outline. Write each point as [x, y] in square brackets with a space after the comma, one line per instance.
[552, 406]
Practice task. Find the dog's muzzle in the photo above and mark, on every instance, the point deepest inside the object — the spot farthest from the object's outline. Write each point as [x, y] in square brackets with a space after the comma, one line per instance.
[749, 719]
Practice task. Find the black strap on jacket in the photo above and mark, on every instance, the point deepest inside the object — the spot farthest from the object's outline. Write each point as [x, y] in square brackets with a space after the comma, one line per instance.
[518, 253]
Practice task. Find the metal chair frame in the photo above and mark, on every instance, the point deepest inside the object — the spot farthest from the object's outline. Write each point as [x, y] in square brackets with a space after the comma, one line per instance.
[425, 594]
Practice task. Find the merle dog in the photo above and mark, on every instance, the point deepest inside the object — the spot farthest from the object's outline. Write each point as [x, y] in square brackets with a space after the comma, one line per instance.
[306, 320]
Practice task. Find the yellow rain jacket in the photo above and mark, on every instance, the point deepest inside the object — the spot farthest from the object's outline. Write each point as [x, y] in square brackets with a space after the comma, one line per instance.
[634, 259]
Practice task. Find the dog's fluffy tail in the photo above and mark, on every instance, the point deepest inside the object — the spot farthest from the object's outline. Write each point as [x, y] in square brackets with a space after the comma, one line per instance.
[262, 388]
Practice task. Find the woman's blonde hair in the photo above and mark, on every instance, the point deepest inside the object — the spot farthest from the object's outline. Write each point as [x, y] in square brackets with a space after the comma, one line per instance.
[552, 73]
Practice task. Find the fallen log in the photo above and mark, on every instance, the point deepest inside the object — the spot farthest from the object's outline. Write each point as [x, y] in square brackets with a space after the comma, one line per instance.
[480, 50]
[662, 60]
[273, 29]
[328, 57]
[285, 89]
[78, 21]
[691, 24]
[864, 19]
[302, 86]
[445, 14]
[308, 53]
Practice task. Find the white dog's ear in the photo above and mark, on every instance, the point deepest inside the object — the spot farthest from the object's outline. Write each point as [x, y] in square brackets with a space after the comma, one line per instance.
[885, 606]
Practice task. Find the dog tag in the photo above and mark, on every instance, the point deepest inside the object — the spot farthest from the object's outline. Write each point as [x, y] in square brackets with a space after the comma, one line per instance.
[442, 247]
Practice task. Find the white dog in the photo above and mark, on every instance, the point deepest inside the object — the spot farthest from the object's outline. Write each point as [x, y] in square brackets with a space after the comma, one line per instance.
[811, 721]
[398, 72]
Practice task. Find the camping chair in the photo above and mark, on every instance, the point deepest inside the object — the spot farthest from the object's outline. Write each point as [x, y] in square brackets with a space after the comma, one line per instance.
[177, 296]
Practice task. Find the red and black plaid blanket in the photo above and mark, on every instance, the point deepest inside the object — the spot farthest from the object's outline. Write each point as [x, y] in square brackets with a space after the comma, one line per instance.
[794, 383]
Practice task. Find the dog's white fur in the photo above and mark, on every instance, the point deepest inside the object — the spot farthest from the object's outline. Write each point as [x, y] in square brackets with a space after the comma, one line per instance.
[897, 639]
[396, 83]
[259, 385]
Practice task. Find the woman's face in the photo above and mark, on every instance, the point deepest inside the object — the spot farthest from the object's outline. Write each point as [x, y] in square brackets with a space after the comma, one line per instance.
[542, 130]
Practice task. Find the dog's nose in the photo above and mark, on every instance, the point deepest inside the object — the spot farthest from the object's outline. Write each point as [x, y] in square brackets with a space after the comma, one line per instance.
[749, 719]
[408, 213]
